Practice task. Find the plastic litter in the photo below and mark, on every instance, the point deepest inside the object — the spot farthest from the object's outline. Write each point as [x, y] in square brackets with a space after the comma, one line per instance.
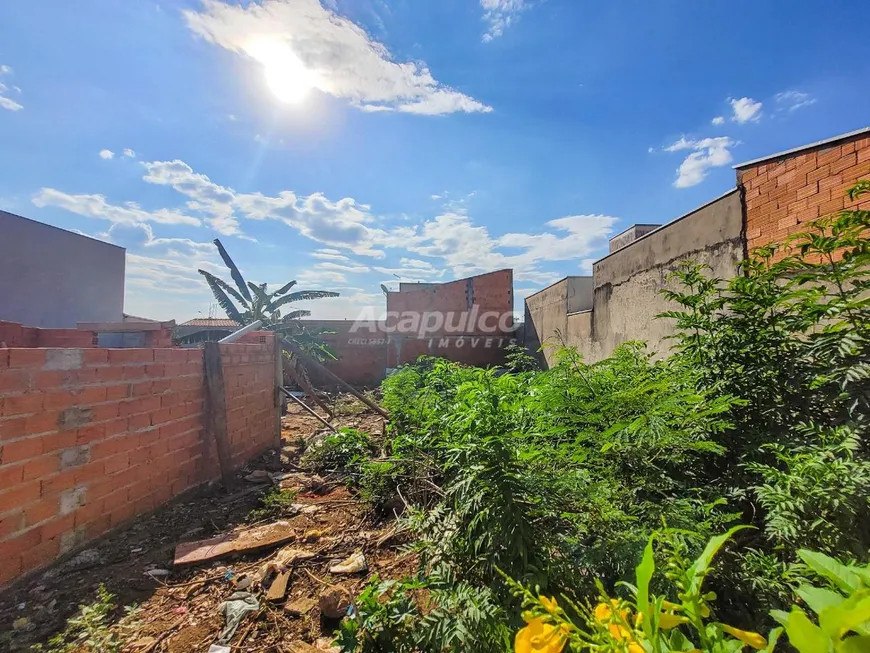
[354, 564]
[234, 610]
[218, 648]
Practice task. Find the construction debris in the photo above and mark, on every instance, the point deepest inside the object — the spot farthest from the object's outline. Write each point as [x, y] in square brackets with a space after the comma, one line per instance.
[299, 607]
[353, 565]
[334, 602]
[234, 610]
[243, 541]
[278, 588]
[259, 476]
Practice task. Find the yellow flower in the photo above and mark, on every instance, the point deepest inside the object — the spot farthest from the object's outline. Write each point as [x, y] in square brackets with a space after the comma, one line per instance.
[754, 640]
[668, 621]
[602, 612]
[550, 605]
[704, 611]
[634, 647]
[638, 620]
[540, 637]
[667, 605]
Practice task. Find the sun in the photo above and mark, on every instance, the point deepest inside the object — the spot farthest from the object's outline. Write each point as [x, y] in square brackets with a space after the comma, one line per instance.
[287, 77]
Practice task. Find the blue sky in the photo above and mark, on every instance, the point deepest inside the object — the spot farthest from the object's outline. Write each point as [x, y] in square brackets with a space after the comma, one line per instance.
[349, 143]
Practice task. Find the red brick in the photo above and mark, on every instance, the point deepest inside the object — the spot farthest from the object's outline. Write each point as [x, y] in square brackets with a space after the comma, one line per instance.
[18, 450]
[141, 389]
[140, 405]
[95, 356]
[829, 155]
[23, 404]
[12, 428]
[117, 463]
[38, 512]
[11, 523]
[37, 468]
[139, 422]
[155, 371]
[13, 381]
[20, 495]
[118, 392]
[45, 422]
[832, 206]
[124, 356]
[26, 357]
[104, 412]
[57, 441]
[94, 470]
[109, 374]
[41, 554]
[14, 547]
[844, 162]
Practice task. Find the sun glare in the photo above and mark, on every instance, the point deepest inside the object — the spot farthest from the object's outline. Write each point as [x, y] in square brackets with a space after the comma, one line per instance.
[287, 77]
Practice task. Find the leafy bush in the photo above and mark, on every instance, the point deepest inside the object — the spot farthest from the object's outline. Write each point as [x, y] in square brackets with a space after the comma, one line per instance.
[559, 478]
[342, 450]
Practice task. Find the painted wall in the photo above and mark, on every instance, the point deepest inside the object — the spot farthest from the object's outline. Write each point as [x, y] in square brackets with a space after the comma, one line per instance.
[626, 284]
[55, 278]
[785, 192]
[546, 312]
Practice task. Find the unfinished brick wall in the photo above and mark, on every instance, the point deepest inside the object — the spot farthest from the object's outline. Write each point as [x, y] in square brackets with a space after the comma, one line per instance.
[13, 334]
[784, 193]
[92, 437]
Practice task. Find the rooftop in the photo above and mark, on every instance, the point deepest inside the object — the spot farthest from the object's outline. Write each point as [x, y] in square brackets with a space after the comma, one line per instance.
[215, 322]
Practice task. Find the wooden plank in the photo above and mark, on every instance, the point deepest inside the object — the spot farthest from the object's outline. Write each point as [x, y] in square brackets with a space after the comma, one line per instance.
[216, 410]
[278, 588]
[301, 379]
[293, 349]
[243, 541]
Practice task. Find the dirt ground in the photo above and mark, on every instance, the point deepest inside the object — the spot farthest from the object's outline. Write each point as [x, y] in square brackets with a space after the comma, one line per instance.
[179, 612]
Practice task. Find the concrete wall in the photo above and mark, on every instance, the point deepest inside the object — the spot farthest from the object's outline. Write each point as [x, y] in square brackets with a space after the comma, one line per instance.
[626, 284]
[546, 312]
[92, 437]
[785, 192]
[55, 278]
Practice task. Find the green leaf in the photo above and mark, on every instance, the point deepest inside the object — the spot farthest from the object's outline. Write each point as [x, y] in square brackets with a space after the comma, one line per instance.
[772, 639]
[303, 294]
[819, 598]
[802, 633]
[698, 570]
[644, 573]
[849, 615]
[832, 569]
[283, 289]
[855, 645]
[234, 271]
[225, 303]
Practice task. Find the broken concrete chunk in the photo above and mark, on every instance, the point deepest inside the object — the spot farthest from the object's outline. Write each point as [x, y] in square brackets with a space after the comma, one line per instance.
[241, 541]
[354, 564]
[157, 573]
[278, 588]
[334, 602]
[299, 607]
[259, 476]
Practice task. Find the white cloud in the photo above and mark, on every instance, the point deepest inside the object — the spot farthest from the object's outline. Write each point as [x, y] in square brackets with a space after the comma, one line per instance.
[6, 102]
[718, 120]
[329, 255]
[129, 153]
[468, 249]
[650, 150]
[793, 100]
[96, 206]
[107, 154]
[340, 267]
[341, 58]
[745, 109]
[708, 153]
[499, 14]
[435, 197]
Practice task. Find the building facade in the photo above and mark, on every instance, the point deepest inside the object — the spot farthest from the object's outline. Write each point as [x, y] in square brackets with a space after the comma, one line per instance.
[774, 198]
[52, 278]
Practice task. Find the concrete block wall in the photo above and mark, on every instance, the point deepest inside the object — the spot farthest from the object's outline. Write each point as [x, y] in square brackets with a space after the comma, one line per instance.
[90, 438]
[783, 193]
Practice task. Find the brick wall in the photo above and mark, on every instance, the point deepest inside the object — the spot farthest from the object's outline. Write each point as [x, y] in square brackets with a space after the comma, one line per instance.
[13, 334]
[92, 437]
[784, 193]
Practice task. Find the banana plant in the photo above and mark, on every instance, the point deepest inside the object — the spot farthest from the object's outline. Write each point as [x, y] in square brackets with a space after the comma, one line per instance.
[248, 302]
